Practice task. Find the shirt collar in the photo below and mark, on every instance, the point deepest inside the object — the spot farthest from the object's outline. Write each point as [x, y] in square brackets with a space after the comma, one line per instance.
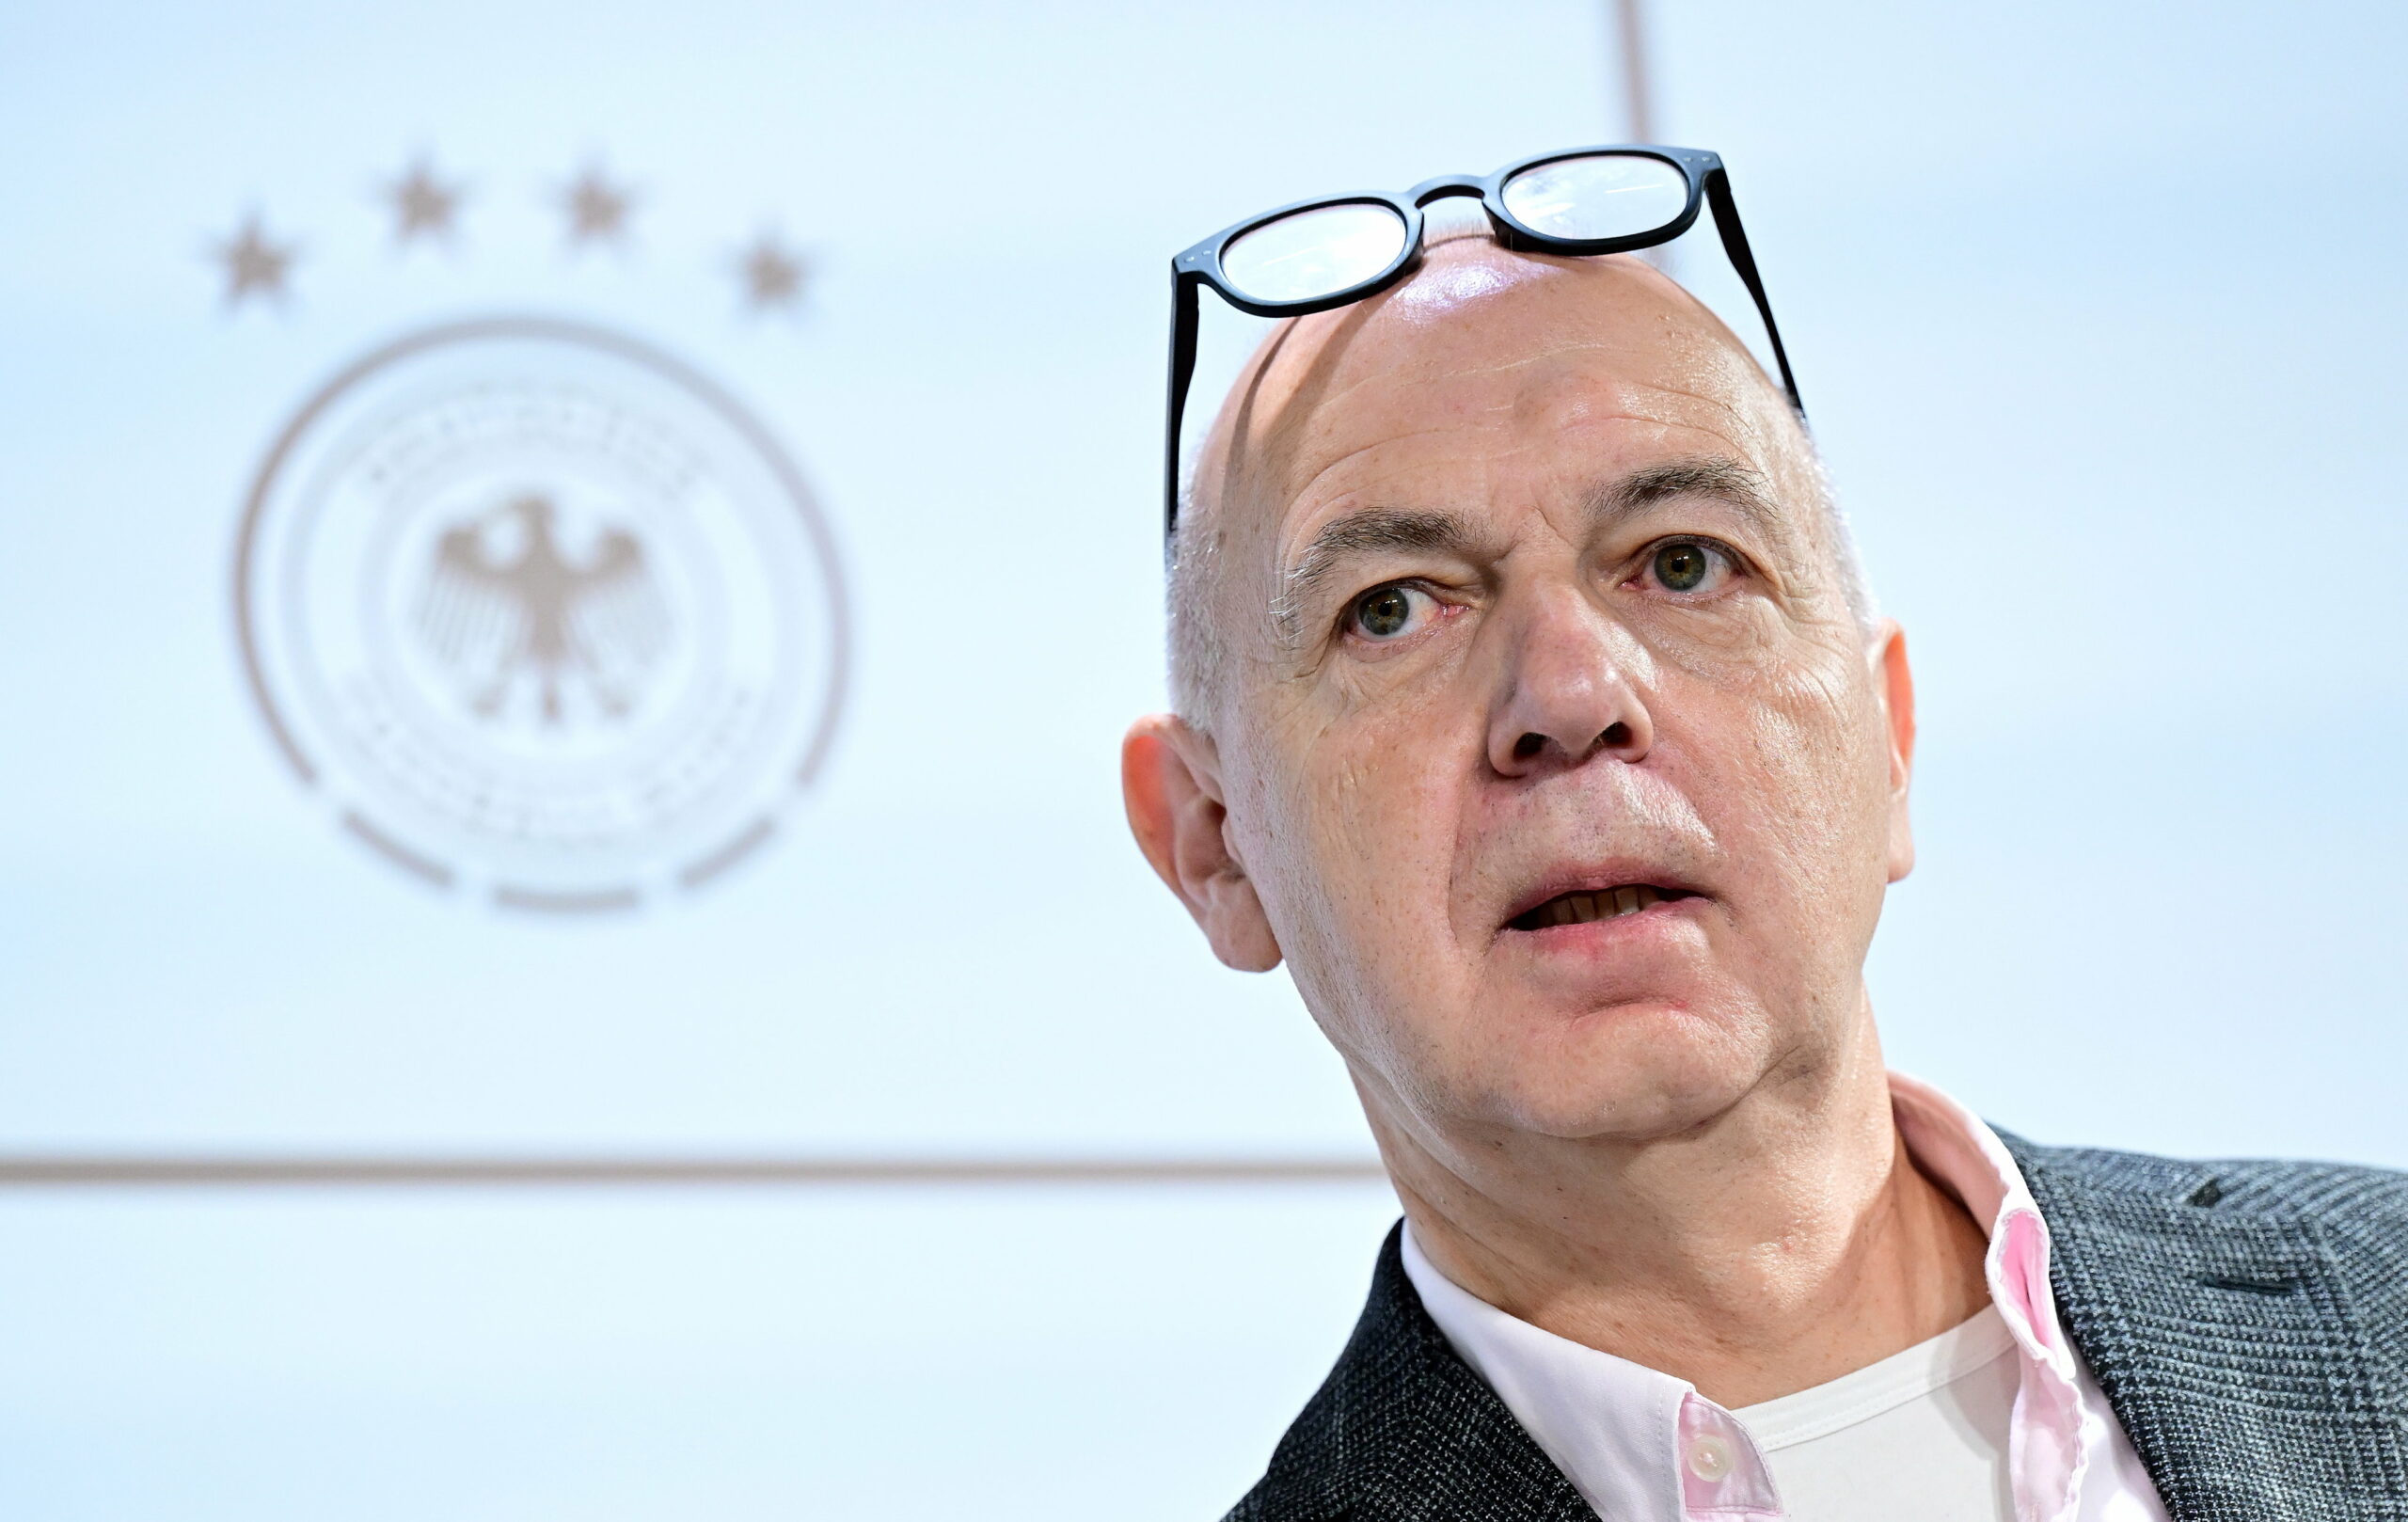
[1634, 1442]
[1640, 1444]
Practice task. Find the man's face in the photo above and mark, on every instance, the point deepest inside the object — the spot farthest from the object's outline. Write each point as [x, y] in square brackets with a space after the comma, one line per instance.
[1551, 752]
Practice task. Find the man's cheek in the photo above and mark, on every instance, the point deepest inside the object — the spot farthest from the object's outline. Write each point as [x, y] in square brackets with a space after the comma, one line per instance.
[1368, 780]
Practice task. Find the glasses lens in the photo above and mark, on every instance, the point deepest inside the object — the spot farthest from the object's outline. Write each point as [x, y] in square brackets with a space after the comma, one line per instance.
[1598, 196]
[1315, 253]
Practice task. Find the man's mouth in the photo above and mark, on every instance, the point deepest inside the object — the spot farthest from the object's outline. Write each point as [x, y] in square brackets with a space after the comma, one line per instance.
[1596, 904]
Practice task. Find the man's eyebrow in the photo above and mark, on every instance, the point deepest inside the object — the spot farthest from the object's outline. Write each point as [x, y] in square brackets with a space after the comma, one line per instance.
[1368, 531]
[1732, 481]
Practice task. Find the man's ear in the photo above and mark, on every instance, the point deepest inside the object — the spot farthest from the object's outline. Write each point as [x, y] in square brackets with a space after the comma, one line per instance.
[1896, 682]
[1170, 779]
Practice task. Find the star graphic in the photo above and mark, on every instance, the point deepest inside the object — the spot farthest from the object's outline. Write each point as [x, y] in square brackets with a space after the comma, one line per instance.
[597, 210]
[254, 264]
[773, 274]
[423, 205]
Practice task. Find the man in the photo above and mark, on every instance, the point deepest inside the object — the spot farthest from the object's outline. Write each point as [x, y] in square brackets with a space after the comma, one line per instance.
[1531, 708]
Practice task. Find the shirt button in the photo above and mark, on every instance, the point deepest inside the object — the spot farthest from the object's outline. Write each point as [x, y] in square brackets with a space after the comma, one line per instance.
[1709, 1459]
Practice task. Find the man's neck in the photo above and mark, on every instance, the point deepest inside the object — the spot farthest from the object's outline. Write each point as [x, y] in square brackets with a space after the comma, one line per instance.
[1784, 1243]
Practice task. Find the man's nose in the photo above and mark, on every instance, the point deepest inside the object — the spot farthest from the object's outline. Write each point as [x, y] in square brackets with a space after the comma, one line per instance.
[1569, 695]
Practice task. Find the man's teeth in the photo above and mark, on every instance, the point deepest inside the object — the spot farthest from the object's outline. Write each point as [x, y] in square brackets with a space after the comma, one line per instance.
[1605, 904]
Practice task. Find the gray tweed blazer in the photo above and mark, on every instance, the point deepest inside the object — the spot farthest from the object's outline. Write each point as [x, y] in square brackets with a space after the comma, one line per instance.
[2247, 1321]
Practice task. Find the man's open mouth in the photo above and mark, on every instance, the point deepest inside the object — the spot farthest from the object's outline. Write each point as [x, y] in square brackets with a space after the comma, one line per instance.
[1599, 904]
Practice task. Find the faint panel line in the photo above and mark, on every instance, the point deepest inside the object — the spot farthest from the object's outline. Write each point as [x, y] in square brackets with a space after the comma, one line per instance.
[362, 1172]
[1638, 97]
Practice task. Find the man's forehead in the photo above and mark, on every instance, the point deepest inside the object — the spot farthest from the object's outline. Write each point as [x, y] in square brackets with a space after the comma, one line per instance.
[1482, 352]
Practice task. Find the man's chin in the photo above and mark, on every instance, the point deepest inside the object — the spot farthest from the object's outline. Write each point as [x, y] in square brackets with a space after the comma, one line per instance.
[1638, 1071]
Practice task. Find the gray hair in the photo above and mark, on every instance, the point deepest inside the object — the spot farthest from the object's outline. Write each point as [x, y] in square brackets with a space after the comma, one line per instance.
[1195, 645]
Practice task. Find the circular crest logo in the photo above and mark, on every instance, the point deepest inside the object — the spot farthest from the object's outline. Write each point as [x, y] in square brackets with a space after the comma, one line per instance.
[541, 612]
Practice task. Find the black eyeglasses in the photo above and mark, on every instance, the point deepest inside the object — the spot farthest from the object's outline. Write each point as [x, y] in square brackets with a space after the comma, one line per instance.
[1326, 252]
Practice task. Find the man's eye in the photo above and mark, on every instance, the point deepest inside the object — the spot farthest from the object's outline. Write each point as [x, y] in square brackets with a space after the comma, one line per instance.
[1688, 567]
[1386, 612]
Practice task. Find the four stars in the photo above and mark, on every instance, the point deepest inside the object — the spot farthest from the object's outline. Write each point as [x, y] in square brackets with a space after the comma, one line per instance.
[425, 206]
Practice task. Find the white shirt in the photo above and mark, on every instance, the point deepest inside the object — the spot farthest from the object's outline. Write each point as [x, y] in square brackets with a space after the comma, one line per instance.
[1959, 1429]
[1920, 1435]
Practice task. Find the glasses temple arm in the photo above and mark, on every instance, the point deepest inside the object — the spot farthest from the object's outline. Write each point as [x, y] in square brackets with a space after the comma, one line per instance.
[1734, 245]
[1182, 371]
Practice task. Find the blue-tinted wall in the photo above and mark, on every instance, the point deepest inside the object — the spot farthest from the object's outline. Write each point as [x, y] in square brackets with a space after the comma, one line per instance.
[2098, 316]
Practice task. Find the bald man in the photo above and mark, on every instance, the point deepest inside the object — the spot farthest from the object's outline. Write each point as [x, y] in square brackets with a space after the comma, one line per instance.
[1532, 710]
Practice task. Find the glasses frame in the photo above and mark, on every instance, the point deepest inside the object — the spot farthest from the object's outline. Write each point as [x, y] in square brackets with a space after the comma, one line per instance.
[1709, 184]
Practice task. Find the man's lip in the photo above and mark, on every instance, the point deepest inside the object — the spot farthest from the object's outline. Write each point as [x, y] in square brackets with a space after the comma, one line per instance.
[1605, 879]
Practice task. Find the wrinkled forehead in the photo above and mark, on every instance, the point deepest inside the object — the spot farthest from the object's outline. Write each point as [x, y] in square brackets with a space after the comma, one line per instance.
[1484, 353]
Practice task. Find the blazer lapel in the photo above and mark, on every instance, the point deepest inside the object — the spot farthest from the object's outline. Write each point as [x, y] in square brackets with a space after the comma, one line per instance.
[2228, 1343]
[1403, 1431]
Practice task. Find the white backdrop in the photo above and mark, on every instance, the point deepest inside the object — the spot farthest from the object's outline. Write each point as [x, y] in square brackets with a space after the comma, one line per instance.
[2097, 314]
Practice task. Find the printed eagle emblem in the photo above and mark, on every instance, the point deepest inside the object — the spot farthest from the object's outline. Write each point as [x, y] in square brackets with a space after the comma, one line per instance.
[542, 617]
